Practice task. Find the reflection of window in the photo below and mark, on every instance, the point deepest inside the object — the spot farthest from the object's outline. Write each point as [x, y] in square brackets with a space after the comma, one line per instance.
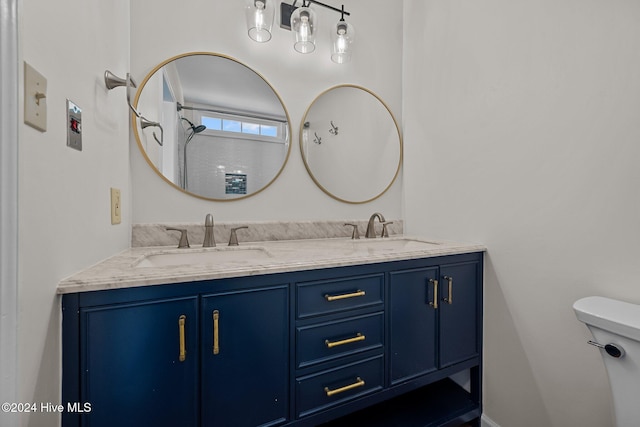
[211, 123]
[238, 126]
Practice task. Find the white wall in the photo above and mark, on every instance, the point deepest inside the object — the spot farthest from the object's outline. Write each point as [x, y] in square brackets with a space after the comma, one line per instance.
[521, 132]
[64, 196]
[218, 26]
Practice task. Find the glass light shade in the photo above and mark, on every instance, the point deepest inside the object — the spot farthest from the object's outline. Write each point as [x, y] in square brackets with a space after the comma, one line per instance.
[260, 15]
[342, 38]
[303, 25]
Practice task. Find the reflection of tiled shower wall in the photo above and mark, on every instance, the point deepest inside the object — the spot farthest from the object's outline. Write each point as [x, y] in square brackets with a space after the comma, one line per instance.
[260, 161]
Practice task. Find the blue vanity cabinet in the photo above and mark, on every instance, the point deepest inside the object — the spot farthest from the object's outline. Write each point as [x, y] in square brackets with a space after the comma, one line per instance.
[139, 363]
[434, 318]
[372, 344]
[459, 313]
[244, 358]
[412, 323]
[339, 340]
[145, 356]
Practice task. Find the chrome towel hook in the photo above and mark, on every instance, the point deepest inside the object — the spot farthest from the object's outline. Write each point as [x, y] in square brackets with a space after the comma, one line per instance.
[111, 81]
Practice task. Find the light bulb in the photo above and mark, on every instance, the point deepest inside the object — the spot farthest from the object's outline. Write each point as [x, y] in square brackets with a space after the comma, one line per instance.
[341, 42]
[260, 15]
[303, 23]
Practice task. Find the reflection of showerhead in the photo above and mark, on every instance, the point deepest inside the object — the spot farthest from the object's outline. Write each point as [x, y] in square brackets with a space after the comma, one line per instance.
[195, 129]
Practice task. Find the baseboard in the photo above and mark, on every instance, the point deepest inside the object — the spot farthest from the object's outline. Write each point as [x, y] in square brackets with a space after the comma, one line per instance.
[487, 422]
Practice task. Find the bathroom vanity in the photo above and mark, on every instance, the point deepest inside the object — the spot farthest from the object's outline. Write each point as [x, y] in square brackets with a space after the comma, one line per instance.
[297, 333]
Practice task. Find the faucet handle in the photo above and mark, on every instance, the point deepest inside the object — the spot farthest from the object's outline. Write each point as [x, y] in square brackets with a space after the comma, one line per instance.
[385, 232]
[209, 239]
[184, 241]
[355, 234]
[233, 238]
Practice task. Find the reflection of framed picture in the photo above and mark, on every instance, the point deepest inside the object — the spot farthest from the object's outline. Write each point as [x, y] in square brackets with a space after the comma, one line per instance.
[235, 183]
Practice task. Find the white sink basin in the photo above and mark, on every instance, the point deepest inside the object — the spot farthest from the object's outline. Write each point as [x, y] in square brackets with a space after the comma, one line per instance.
[208, 256]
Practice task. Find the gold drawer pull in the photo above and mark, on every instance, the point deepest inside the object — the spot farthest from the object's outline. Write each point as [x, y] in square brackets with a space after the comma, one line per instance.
[434, 303]
[216, 343]
[358, 337]
[359, 383]
[358, 293]
[183, 351]
[449, 298]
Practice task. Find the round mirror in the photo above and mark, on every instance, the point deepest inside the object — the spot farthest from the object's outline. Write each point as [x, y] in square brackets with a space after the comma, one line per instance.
[211, 126]
[351, 144]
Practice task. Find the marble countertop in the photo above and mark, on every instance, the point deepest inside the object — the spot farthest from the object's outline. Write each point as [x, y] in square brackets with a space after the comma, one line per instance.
[145, 266]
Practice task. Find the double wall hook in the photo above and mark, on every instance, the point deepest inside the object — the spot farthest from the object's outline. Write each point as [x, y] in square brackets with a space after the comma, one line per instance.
[112, 81]
[334, 129]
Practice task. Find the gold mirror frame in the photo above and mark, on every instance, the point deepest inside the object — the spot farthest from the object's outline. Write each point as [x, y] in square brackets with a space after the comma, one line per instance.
[137, 126]
[304, 126]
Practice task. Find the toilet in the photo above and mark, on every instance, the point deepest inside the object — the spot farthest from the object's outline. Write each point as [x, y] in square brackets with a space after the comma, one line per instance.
[615, 326]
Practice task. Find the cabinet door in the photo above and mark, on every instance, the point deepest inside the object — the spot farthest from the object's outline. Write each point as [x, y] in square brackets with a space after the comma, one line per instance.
[459, 312]
[139, 363]
[413, 323]
[245, 358]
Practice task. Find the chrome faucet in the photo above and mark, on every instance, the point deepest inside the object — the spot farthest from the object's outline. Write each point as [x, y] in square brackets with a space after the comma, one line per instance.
[209, 240]
[371, 231]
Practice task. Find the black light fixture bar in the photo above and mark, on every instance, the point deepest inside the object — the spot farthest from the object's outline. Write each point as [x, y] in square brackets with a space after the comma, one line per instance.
[287, 9]
[328, 6]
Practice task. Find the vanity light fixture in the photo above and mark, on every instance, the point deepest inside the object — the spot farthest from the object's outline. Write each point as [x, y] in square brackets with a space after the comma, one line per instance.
[303, 23]
[260, 15]
[342, 38]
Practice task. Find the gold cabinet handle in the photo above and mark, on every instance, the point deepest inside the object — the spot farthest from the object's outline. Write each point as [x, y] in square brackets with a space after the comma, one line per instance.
[359, 383]
[331, 344]
[434, 303]
[183, 350]
[357, 293]
[449, 298]
[216, 343]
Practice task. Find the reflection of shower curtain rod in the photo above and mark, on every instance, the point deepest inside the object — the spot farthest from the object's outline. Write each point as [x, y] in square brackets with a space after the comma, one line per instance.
[210, 110]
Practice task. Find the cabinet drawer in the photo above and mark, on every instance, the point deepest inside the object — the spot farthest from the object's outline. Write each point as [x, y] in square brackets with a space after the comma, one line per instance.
[329, 388]
[329, 296]
[326, 341]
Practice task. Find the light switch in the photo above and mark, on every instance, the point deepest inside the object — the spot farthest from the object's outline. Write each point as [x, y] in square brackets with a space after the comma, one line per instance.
[35, 98]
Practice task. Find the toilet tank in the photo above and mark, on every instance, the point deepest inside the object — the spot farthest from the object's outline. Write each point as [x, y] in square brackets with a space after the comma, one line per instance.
[617, 323]
[619, 317]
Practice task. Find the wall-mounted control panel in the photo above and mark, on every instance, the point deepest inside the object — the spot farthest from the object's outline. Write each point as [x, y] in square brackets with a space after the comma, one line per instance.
[35, 98]
[74, 126]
